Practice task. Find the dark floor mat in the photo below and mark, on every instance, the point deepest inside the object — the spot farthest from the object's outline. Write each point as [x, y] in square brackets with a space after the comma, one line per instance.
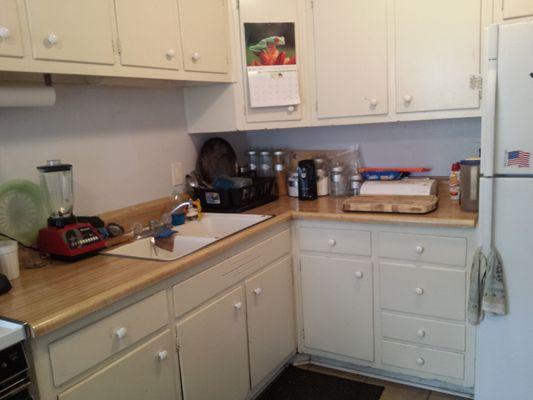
[299, 384]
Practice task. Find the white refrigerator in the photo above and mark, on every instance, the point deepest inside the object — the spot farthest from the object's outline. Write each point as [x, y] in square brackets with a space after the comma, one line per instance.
[504, 354]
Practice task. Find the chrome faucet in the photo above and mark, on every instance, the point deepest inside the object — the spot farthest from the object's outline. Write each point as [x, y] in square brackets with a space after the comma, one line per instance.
[180, 206]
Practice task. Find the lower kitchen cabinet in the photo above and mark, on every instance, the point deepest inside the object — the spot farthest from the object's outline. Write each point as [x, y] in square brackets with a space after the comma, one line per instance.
[337, 303]
[271, 327]
[213, 350]
[145, 373]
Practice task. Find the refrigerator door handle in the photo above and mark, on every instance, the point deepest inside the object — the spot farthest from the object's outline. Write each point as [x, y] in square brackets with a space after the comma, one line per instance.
[488, 122]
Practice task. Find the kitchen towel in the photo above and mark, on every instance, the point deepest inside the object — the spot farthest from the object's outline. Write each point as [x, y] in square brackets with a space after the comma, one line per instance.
[487, 290]
[494, 297]
[475, 292]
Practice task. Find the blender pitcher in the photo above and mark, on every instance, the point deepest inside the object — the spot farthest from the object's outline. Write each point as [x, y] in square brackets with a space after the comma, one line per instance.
[56, 180]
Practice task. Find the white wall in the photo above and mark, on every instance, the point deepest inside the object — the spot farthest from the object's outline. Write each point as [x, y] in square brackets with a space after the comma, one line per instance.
[120, 140]
[425, 143]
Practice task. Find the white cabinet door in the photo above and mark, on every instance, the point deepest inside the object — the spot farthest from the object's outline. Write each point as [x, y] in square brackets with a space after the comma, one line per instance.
[350, 56]
[337, 301]
[214, 351]
[205, 35]
[149, 35]
[437, 52]
[146, 373]
[271, 325]
[72, 30]
[10, 35]
[517, 8]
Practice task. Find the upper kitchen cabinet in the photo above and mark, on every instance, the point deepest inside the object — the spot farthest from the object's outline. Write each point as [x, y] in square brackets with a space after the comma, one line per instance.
[274, 23]
[205, 31]
[437, 49]
[72, 30]
[149, 36]
[350, 58]
[10, 35]
[509, 9]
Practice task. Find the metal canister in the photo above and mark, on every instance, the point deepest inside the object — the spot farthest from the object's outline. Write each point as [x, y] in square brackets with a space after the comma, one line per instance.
[356, 180]
[469, 184]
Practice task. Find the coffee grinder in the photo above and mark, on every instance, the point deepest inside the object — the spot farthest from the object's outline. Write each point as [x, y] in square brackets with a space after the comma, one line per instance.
[64, 237]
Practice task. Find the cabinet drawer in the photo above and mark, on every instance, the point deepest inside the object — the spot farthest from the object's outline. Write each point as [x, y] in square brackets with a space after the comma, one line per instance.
[91, 345]
[434, 249]
[420, 359]
[424, 331]
[340, 241]
[437, 292]
[149, 364]
[194, 291]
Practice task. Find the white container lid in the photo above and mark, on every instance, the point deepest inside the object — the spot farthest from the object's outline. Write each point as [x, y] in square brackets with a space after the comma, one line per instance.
[8, 246]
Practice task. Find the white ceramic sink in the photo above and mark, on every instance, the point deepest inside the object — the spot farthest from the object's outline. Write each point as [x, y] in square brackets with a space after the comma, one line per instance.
[220, 225]
[191, 237]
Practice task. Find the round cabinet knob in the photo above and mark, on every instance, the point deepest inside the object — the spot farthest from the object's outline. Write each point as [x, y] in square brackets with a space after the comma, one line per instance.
[421, 333]
[359, 274]
[419, 291]
[237, 306]
[195, 56]
[291, 109]
[52, 39]
[332, 242]
[171, 53]
[419, 249]
[121, 333]
[373, 102]
[408, 98]
[258, 291]
[162, 355]
[420, 361]
[5, 33]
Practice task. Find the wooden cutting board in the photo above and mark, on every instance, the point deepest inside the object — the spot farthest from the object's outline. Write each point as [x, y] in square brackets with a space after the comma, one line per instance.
[391, 204]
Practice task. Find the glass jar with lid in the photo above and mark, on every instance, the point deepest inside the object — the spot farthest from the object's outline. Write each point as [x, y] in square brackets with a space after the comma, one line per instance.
[251, 156]
[338, 183]
[265, 164]
[356, 180]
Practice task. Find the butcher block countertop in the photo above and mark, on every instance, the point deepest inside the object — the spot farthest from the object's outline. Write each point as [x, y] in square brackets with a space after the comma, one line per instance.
[56, 295]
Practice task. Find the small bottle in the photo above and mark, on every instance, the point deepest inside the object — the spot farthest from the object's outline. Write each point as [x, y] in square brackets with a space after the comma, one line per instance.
[322, 177]
[455, 177]
[292, 185]
[281, 173]
[356, 180]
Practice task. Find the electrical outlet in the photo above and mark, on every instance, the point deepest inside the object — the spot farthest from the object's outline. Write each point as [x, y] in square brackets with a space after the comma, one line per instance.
[177, 173]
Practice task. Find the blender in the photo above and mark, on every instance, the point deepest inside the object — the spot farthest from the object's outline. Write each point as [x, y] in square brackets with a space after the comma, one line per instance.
[64, 237]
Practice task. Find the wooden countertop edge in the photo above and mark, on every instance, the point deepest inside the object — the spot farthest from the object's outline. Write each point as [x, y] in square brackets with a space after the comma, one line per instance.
[75, 312]
[414, 219]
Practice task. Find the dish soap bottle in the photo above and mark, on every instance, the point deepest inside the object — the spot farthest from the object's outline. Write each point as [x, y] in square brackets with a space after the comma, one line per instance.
[454, 188]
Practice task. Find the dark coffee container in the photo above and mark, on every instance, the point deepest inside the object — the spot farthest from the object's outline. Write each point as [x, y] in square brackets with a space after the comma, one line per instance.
[307, 180]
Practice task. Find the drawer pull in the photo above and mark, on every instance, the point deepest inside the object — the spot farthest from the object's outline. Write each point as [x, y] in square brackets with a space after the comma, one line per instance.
[237, 306]
[332, 242]
[291, 109]
[162, 355]
[52, 39]
[419, 249]
[121, 333]
[421, 333]
[5, 33]
[359, 275]
[195, 57]
[171, 53]
[258, 291]
[419, 291]
[420, 361]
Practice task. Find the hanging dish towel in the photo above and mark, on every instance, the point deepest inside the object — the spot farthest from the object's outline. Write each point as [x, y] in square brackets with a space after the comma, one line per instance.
[494, 297]
[475, 292]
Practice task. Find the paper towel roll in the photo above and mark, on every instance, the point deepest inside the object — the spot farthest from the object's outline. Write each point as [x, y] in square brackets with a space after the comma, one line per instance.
[27, 96]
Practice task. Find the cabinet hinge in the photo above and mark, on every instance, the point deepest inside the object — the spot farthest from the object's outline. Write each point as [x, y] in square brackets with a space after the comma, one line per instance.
[316, 106]
[178, 346]
[476, 82]
[119, 47]
[312, 4]
[238, 4]
[303, 335]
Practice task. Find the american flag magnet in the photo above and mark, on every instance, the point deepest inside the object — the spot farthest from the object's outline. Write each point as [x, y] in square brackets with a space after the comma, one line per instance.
[517, 158]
